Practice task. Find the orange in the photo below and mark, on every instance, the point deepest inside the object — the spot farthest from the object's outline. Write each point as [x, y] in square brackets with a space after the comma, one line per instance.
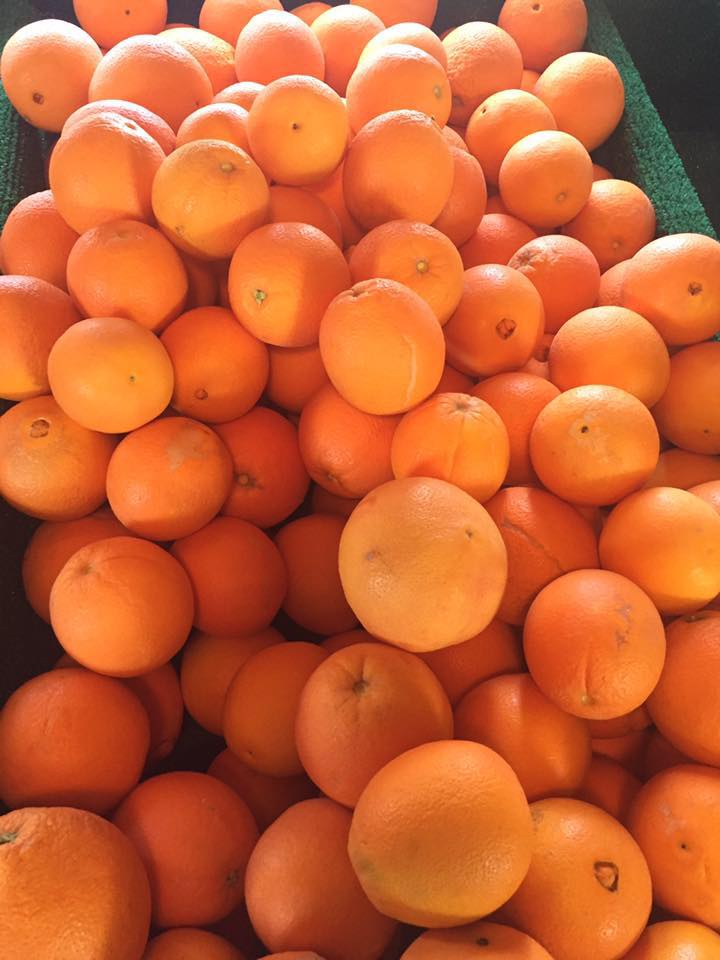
[497, 323]
[681, 705]
[362, 707]
[131, 592]
[422, 531]
[709, 492]
[481, 59]
[415, 34]
[110, 374]
[452, 136]
[36, 241]
[226, 18]
[383, 326]
[241, 94]
[220, 369]
[46, 69]
[675, 554]
[499, 122]
[296, 374]
[102, 169]
[494, 651]
[169, 478]
[127, 269]
[216, 121]
[215, 55]
[679, 468]
[497, 238]
[159, 692]
[345, 451]
[82, 874]
[612, 346]
[300, 891]
[398, 167]
[417, 255]
[50, 466]
[517, 398]
[461, 943]
[209, 666]
[454, 437]
[267, 797]
[594, 445]
[295, 205]
[545, 31]
[276, 44]
[235, 198]
[347, 638]
[452, 381]
[282, 278]
[686, 412]
[298, 129]
[237, 575]
[71, 738]
[548, 749]
[309, 12]
[586, 95]
[663, 941]
[150, 122]
[628, 750]
[544, 538]
[610, 786]
[185, 942]
[343, 33]
[52, 545]
[397, 77]
[616, 222]
[588, 887]
[465, 207]
[529, 79]
[594, 644]
[674, 282]
[441, 834]
[674, 819]
[262, 703]
[545, 178]
[155, 73]
[110, 21]
[332, 191]
[314, 598]
[637, 719]
[194, 836]
[270, 479]
[35, 315]
[392, 12]
[610, 292]
[565, 274]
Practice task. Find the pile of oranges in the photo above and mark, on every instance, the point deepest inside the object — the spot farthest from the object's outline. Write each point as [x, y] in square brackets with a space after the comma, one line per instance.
[370, 426]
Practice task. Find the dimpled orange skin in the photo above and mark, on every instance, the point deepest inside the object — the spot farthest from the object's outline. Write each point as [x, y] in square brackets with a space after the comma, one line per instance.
[383, 325]
[594, 445]
[188, 942]
[415, 34]
[103, 169]
[216, 121]
[36, 241]
[89, 878]
[709, 492]
[422, 531]
[215, 55]
[155, 73]
[35, 314]
[588, 888]
[109, 21]
[607, 648]
[461, 943]
[399, 166]
[343, 34]
[546, 178]
[548, 749]
[441, 834]
[298, 130]
[545, 31]
[610, 786]
[296, 205]
[496, 239]
[282, 279]
[150, 122]
[465, 207]
[481, 59]
[682, 705]
[662, 941]
[46, 69]
[242, 94]
[497, 324]
[686, 414]
[674, 819]
[235, 194]
[679, 468]
[276, 44]
[51, 467]
[135, 592]
[674, 282]
[226, 18]
[677, 558]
